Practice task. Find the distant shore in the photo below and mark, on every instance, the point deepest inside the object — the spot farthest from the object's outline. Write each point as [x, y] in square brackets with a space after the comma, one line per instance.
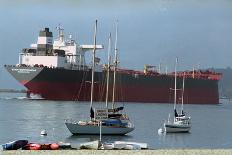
[12, 91]
[124, 152]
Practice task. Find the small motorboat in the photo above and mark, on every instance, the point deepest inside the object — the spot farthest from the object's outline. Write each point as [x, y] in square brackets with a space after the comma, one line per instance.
[93, 145]
[32, 146]
[107, 146]
[119, 145]
[130, 145]
[141, 145]
[51, 146]
[63, 145]
[37, 146]
[54, 146]
[124, 145]
[14, 145]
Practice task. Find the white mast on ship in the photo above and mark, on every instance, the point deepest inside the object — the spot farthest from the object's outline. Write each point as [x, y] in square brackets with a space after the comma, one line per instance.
[60, 33]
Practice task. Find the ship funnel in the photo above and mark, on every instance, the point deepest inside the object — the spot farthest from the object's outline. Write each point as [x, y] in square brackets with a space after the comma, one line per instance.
[44, 43]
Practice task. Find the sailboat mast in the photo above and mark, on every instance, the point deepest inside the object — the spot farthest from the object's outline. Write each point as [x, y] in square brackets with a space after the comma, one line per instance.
[93, 65]
[182, 103]
[175, 85]
[108, 71]
[115, 64]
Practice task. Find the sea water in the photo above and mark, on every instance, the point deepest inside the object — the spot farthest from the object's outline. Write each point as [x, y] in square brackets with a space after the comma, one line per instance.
[22, 118]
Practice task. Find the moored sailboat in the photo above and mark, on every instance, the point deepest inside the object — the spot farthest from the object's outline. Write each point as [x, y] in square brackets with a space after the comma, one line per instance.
[181, 122]
[111, 121]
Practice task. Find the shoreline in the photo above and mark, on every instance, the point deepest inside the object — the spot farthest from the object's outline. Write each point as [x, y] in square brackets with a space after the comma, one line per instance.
[12, 91]
[123, 152]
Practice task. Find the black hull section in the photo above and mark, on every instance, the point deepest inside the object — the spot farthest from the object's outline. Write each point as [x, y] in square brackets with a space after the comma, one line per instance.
[64, 84]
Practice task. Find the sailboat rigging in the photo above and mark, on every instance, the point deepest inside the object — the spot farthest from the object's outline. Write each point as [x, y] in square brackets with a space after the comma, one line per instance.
[181, 122]
[115, 64]
[93, 66]
[112, 122]
[108, 72]
[182, 97]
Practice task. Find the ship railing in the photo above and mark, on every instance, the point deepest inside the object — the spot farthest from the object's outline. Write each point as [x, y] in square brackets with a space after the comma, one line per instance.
[51, 67]
[75, 66]
[27, 54]
[131, 71]
[198, 75]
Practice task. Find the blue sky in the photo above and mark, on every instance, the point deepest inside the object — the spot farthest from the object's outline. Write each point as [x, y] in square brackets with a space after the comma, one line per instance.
[150, 32]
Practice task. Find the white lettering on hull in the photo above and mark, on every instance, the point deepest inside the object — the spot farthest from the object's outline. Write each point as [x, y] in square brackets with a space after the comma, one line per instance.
[23, 70]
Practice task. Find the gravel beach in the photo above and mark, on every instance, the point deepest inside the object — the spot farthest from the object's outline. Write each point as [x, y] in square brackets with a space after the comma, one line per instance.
[123, 152]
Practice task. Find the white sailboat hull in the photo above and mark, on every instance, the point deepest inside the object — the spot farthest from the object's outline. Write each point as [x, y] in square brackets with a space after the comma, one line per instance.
[76, 128]
[175, 128]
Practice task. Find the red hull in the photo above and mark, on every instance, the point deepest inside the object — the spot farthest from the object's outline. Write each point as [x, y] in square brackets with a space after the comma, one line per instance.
[77, 92]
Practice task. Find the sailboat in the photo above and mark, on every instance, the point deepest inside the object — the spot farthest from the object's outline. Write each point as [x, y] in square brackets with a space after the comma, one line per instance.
[107, 121]
[181, 122]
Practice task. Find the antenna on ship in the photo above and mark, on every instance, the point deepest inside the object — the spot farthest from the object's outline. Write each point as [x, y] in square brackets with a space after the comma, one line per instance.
[60, 32]
[193, 75]
[166, 69]
[115, 63]
[159, 68]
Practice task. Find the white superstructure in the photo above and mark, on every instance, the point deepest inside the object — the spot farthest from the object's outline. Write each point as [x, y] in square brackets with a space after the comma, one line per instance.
[60, 53]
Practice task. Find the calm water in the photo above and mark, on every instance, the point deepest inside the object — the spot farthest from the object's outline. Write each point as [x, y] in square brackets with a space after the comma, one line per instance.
[24, 119]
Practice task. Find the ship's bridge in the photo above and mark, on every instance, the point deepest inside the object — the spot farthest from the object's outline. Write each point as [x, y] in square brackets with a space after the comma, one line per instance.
[62, 53]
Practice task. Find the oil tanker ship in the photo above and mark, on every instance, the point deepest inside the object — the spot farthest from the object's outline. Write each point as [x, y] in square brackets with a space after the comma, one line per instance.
[57, 70]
